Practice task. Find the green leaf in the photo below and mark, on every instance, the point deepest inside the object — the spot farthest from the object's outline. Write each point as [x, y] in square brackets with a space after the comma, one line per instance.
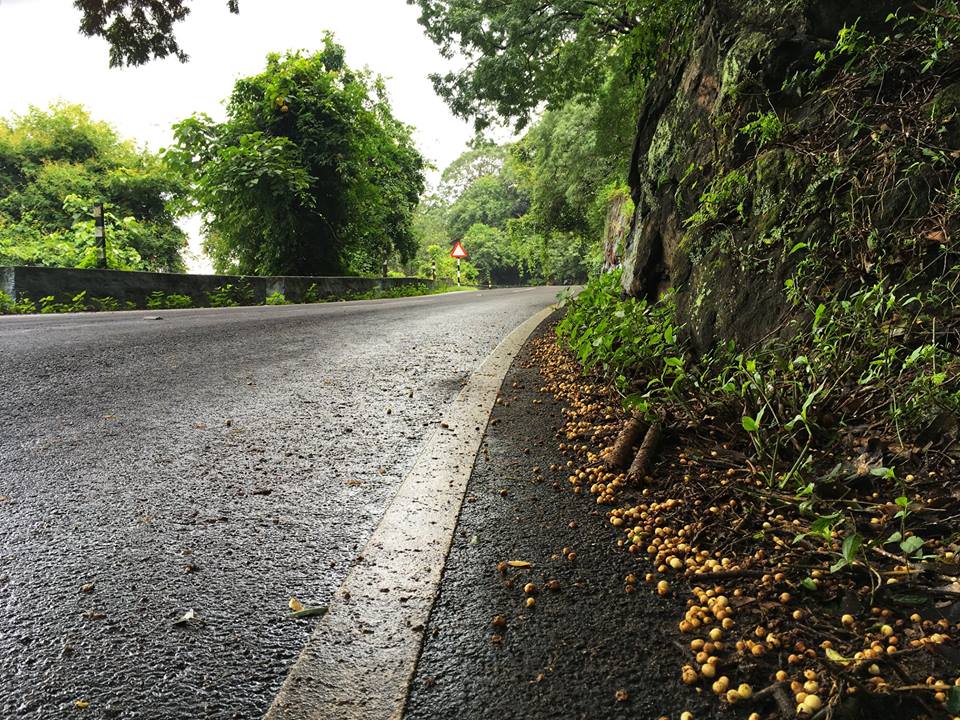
[823, 525]
[909, 600]
[749, 424]
[953, 700]
[810, 584]
[911, 544]
[839, 565]
[818, 315]
[636, 402]
[851, 546]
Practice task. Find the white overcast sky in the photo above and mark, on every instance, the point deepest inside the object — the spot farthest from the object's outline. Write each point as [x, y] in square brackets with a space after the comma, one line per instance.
[43, 58]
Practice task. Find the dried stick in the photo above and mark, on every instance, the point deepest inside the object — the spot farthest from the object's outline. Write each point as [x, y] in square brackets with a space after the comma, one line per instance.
[620, 452]
[643, 460]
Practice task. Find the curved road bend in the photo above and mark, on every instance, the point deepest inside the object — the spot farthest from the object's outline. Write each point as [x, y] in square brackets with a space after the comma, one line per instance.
[220, 461]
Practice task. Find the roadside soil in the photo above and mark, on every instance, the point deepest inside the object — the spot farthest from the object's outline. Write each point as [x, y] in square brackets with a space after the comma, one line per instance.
[588, 648]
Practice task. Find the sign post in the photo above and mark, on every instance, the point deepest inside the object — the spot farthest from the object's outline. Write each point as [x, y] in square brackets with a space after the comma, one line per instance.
[459, 253]
[100, 235]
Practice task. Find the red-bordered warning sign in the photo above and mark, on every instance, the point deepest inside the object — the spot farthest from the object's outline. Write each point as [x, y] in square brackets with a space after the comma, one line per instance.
[458, 252]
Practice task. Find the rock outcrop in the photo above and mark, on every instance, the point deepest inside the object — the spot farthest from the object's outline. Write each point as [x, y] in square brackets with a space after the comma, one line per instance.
[720, 197]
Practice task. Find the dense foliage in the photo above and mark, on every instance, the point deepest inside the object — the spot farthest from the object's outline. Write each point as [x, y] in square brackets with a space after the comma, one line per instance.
[310, 174]
[524, 53]
[537, 208]
[137, 30]
[54, 165]
[533, 210]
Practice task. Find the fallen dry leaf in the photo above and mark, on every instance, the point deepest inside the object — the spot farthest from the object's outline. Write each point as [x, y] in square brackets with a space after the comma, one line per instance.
[185, 618]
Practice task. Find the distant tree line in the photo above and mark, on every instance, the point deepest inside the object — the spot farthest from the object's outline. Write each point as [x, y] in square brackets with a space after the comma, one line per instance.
[309, 174]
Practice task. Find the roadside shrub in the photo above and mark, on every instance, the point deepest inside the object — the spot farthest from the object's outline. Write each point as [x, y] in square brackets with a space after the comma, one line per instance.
[158, 300]
[312, 294]
[277, 298]
[8, 306]
[25, 306]
[179, 302]
[231, 295]
[222, 297]
[76, 304]
[104, 304]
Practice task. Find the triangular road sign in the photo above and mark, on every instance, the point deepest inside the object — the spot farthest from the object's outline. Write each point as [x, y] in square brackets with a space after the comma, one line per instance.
[458, 252]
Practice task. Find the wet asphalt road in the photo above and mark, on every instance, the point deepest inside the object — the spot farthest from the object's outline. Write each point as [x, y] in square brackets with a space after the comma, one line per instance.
[214, 460]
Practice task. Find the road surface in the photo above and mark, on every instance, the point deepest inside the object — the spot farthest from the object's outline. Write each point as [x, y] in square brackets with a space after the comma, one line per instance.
[215, 461]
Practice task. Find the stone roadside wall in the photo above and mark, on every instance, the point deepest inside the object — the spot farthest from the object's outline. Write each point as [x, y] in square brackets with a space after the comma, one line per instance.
[64, 283]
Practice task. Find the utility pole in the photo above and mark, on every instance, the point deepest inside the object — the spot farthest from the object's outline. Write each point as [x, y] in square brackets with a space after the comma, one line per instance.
[100, 234]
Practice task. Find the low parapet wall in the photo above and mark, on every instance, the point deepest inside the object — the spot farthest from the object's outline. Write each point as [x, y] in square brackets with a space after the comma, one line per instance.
[64, 283]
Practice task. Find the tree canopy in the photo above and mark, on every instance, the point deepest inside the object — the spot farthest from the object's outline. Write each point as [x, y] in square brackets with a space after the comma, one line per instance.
[490, 200]
[54, 165]
[137, 30]
[310, 174]
[524, 53]
[572, 74]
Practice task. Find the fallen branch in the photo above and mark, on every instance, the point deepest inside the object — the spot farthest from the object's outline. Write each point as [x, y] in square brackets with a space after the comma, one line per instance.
[620, 452]
[786, 707]
[643, 460]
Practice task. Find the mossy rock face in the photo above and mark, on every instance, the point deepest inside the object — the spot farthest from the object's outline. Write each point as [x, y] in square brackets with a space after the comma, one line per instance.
[615, 228]
[728, 257]
[722, 301]
[742, 65]
[945, 105]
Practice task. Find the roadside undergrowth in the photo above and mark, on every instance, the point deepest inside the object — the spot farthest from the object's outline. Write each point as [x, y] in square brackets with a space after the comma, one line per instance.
[785, 615]
[801, 493]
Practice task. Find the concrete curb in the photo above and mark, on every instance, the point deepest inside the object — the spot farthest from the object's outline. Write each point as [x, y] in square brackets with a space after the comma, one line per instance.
[360, 659]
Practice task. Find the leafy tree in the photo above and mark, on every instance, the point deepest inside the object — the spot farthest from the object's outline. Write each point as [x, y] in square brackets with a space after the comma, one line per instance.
[54, 165]
[310, 173]
[137, 30]
[566, 169]
[493, 256]
[488, 200]
[523, 53]
[429, 229]
[75, 246]
[481, 159]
